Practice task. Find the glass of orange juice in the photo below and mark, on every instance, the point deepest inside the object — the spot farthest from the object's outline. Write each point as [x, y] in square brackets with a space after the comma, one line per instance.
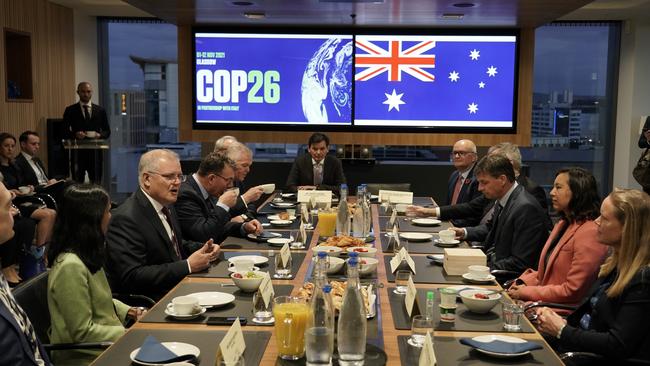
[327, 222]
[291, 315]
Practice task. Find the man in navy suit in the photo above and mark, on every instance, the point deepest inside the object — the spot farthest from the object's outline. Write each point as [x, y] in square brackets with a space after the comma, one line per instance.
[18, 342]
[86, 120]
[316, 170]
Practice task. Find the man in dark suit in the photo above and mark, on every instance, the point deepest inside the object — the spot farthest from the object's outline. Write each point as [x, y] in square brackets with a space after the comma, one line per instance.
[205, 200]
[316, 170]
[18, 343]
[462, 185]
[513, 238]
[246, 207]
[31, 167]
[145, 250]
[86, 121]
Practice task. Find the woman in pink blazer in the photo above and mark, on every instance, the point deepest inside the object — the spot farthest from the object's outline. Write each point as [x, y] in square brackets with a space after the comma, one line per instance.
[572, 255]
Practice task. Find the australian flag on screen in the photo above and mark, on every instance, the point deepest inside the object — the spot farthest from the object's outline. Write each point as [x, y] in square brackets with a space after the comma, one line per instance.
[447, 81]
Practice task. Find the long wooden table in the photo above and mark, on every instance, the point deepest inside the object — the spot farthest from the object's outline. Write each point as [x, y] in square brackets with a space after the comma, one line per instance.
[388, 333]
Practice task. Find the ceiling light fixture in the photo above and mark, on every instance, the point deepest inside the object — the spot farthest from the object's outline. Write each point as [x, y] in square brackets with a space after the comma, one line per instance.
[453, 16]
[464, 5]
[255, 16]
[242, 3]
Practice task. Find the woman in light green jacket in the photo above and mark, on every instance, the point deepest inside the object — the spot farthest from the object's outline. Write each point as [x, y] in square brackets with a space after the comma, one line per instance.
[79, 297]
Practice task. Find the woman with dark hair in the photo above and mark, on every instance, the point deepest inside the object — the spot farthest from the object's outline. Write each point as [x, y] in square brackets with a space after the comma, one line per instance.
[79, 297]
[614, 320]
[572, 254]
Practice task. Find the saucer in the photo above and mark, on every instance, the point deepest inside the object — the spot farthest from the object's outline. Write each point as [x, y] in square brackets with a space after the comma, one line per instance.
[426, 222]
[279, 242]
[169, 311]
[283, 204]
[233, 269]
[416, 236]
[281, 222]
[257, 259]
[213, 298]
[453, 243]
[470, 278]
[277, 217]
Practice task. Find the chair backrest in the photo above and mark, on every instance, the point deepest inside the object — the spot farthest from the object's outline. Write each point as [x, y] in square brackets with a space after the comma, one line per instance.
[374, 188]
[31, 295]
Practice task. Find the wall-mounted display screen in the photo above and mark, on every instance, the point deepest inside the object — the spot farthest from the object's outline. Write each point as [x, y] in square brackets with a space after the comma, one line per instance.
[267, 79]
[368, 81]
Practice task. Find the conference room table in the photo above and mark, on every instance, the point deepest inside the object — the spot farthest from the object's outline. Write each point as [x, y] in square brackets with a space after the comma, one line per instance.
[387, 332]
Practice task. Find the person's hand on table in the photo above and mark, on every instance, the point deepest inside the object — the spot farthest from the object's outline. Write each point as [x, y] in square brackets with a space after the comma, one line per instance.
[253, 194]
[200, 259]
[419, 210]
[515, 291]
[80, 135]
[136, 312]
[460, 232]
[549, 322]
[254, 227]
[237, 219]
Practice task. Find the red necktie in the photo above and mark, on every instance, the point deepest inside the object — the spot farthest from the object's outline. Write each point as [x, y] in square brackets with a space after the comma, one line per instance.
[459, 185]
[168, 216]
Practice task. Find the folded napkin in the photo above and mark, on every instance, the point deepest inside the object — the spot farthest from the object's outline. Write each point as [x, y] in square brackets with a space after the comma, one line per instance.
[498, 346]
[152, 351]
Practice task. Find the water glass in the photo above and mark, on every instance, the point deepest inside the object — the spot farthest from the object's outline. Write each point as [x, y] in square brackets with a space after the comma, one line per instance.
[298, 241]
[448, 297]
[238, 362]
[282, 270]
[420, 326]
[401, 282]
[319, 345]
[305, 216]
[512, 313]
[262, 313]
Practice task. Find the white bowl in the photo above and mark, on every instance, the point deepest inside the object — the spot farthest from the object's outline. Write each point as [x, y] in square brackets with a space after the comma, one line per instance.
[248, 284]
[368, 267]
[480, 306]
[363, 251]
[331, 251]
[335, 265]
[268, 188]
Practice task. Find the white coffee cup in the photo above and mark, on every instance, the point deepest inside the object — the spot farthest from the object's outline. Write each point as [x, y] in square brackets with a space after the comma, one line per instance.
[447, 236]
[242, 265]
[477, 271]
[268, 188]
[401, 207]
[23, 189]
[185, 305]
[91, 134]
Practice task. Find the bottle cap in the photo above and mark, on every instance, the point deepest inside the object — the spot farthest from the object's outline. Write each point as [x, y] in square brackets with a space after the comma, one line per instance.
[353, 261]
[322, 255]
[353, 255]
[429, 295]
[327, 288]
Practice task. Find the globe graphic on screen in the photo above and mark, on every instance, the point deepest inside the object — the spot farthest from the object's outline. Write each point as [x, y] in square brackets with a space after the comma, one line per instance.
[326, 83]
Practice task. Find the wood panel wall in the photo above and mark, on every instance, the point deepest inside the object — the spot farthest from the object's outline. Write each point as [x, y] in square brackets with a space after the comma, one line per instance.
[524, 111]
[52, 38]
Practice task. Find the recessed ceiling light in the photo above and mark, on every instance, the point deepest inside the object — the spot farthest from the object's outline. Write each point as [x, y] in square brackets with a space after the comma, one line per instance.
[255, 15]
[242, 3]
[455, 16]
[464, 5]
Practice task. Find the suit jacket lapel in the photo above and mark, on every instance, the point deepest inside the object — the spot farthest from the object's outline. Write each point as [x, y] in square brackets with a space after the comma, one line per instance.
[27, 348]
[568, 234]
[152, 216]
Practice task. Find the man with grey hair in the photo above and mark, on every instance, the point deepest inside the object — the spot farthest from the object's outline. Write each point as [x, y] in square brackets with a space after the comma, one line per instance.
[223, 143]
[242, 157]
[145, 250]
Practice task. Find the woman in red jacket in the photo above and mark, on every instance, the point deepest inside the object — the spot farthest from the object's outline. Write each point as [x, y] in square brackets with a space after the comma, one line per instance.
[568, 265]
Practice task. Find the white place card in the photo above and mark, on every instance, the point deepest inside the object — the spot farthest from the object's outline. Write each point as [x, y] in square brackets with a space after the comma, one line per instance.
[407, 257]
[396, 237]
[391, 220]
[396, 196]
[303, 233]
[427, 356]
[394, 262]
[232, 345]
[285, 253]
[411, 295]
[317, 196]
[266, 289]
[303, 210]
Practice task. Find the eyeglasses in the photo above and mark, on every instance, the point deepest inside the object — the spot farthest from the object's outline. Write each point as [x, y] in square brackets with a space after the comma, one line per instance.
[171, 177]
[229, 180]
[461, 153]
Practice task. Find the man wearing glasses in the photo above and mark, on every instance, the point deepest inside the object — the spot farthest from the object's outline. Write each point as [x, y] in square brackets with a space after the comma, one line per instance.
[205, 201]
[146, 253]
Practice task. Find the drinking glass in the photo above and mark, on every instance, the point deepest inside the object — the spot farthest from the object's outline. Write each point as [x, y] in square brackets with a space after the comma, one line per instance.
[327, 223]
[319, 345]
[448, 297]
[298, 241]
[262, 313]
[420, 326]
[282, 270]
[291, 318]
[305, 216]
[512, 313]
[401, 282]
[239, 362]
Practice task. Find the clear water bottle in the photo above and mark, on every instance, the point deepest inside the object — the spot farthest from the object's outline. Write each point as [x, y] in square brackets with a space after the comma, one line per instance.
[365, 208]
[319, 334]
[343, 215]
[320, 268]
[429, 305]
[352, 324]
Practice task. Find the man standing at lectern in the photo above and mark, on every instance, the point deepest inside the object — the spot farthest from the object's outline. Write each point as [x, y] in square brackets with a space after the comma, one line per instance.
[87, 121]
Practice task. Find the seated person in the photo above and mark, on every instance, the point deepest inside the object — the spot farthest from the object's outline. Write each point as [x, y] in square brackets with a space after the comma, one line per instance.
[316, 170]
[78, 295]
[18, 342]
[463, 186]
[11, 253]
[223, 143]
[204, 202]
[569, 262]
[614, 320]
[32, 168]
[245, 208]
[145, 250]
[514, 236]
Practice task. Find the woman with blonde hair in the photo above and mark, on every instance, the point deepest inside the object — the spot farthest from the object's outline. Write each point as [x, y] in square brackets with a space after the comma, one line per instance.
[614, 320]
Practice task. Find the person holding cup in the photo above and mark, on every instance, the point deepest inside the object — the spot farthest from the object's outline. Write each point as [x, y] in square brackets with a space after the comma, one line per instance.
[569, 262]
[245, 208]
[613, 321]
[78, 294]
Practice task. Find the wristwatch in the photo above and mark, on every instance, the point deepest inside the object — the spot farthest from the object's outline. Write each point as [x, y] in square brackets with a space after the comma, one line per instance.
[245, 217]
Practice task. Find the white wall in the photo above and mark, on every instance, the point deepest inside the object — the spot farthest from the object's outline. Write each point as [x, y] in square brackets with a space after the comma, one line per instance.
[633, 99]
[85, 54]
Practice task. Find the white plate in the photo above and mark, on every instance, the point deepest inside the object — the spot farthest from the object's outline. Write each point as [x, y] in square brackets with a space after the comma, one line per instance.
[170, 312]
[178, 348]
[374, 197]
[233, 269]
[283, 204]
[277, 217]
[452, 243]
[281, 222]
[257, 259]
[213, 298]
[494, 337]
[470, 278]
[279, 241]
[426, 222]
[416, 236]
[287, 195]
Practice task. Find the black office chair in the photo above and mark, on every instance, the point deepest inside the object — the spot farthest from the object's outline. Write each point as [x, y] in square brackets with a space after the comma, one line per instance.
[374, 188]
[31, 295]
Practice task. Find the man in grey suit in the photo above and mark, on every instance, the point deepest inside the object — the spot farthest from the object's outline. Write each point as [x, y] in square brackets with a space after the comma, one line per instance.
[316, 170]
[145, 250]
[513, 238]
